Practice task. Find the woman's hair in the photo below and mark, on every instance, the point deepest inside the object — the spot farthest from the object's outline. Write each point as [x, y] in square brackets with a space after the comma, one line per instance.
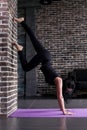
[67, 96]
[69, 83]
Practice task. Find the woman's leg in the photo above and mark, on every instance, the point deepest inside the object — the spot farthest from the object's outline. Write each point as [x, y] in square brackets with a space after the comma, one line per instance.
[37, 45]
[27, 66]
[59, 84]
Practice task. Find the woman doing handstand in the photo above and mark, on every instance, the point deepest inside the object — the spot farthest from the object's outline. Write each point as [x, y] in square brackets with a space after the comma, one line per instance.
[43, 57]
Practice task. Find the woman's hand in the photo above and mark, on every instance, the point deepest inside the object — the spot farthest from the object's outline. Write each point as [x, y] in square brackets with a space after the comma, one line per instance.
[67, 112]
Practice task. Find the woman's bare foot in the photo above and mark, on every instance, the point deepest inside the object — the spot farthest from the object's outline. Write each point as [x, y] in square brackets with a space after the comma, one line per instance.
[18, 47]
[19, 20]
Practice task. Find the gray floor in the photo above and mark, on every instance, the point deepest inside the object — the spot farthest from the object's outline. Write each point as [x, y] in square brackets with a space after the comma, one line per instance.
[45, 123]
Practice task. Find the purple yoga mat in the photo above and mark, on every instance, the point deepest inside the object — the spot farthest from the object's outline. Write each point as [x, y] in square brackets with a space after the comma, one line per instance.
[78, 112]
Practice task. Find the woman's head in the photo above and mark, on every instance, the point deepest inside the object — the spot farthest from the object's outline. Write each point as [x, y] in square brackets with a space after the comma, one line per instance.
[68, 94]
[68, 89]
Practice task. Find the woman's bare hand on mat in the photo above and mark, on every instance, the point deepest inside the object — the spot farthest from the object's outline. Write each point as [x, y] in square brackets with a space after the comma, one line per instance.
[67, 112]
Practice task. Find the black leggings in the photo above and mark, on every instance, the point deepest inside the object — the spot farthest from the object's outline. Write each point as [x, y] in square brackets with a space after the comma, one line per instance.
[42, 56]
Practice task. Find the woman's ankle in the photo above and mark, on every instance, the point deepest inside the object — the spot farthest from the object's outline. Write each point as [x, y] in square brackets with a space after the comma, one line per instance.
[17, 46]
[19, 20]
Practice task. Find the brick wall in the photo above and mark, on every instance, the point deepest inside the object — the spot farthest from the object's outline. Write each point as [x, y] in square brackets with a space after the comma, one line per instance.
[8, 57]
[62, 29]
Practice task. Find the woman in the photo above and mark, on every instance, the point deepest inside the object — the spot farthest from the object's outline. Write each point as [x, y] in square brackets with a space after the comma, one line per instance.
[43, 57]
